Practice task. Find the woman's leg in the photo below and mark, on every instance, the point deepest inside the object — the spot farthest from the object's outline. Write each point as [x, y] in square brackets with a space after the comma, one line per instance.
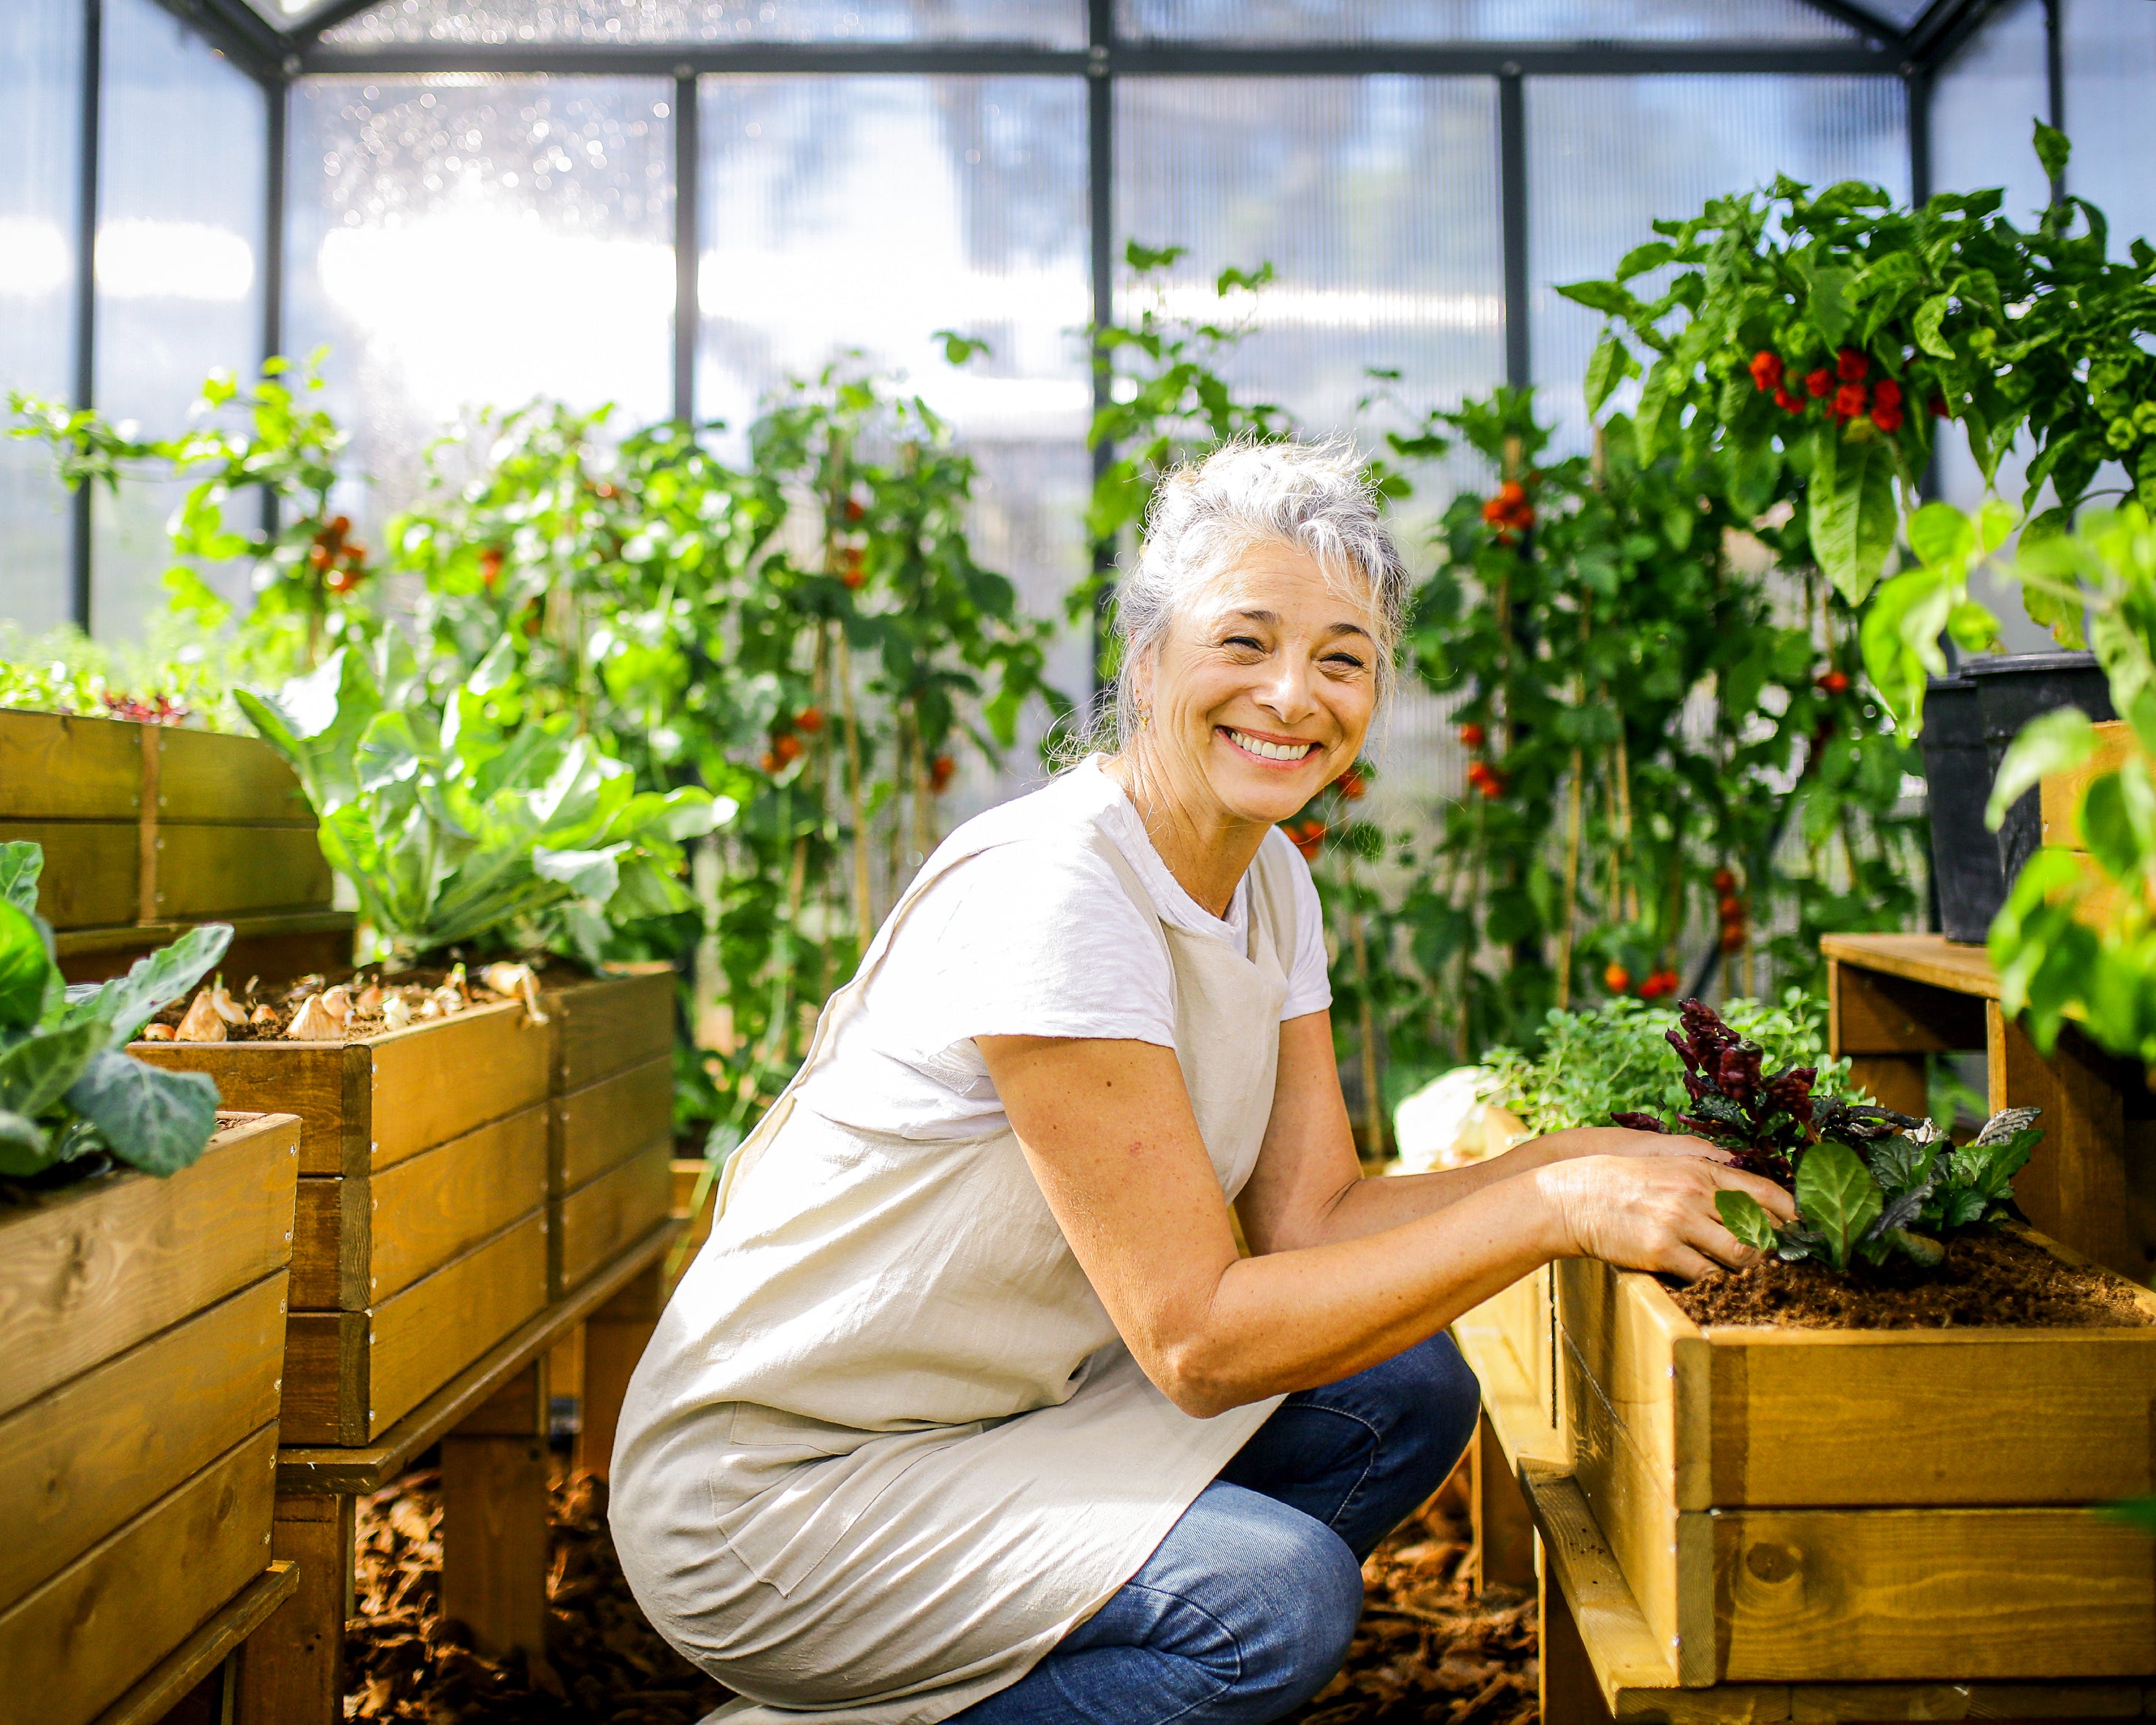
[1241, 1615]
[1360, 1455]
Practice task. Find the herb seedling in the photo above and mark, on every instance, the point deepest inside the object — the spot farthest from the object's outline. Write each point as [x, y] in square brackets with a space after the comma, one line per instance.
[1868, 1183]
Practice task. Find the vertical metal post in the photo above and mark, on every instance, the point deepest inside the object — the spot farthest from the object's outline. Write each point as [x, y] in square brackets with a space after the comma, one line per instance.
[1916, 85]
[85, 291]
[1101, 213]
[1512, 200]
[278, 96]
[688, 310]
[2055, 80]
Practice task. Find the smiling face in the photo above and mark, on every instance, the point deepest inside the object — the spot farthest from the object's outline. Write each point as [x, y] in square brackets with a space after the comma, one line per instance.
[1263, 690]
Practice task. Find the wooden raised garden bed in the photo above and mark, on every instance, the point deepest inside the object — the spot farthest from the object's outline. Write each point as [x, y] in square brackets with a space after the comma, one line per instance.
[610, 1177]
[422, 1238]
[1812, 1506]
[142, 1343]
[148, 828]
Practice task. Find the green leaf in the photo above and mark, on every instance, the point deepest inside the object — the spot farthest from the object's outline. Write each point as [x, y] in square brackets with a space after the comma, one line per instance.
[2052, 150]
[1607, 297]
[1925, 326]
[24, 969]
[1747, 1218]
[1853, 517]
[37, 1072]
[2052, 741]
[1921, 1248]
[1940, 533]
[589, 875]
[22, 861]
[1610, 364]
[1643, 258]
[25, 1147]
[125, 1004]
[1899, 636]
[1837, 1195]
[158, 1121]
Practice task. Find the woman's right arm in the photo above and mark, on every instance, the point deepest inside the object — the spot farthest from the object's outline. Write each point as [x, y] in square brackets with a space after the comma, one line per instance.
[1108, 1131]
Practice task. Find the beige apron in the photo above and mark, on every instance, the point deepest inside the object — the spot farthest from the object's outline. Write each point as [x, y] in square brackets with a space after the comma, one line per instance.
[886, 1448]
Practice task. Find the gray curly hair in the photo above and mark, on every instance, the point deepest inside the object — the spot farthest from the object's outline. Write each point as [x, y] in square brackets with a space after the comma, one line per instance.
[1314, 496]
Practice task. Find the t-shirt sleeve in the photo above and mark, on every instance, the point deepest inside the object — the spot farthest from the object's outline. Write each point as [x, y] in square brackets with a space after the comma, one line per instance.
[1031, 938]
[1309, 986]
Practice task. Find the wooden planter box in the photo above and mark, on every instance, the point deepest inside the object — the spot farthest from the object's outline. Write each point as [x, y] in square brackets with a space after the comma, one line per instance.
[1798, 1505]
[142, 1342]
[609, 1173]
[422, 1236]
[149, 828]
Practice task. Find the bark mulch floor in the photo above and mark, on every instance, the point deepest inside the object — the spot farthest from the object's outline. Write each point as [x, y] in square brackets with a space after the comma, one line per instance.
[1429, 1651]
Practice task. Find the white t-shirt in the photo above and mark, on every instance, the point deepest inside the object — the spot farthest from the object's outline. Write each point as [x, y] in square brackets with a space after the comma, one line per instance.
[1033, 937]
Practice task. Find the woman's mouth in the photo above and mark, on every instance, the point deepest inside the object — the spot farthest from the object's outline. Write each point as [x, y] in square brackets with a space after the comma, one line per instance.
[1285, 752]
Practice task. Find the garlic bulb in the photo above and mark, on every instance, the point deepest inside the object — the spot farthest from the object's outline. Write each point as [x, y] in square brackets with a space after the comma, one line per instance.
[314, 1023]
[395, 1013]
[201, 1023]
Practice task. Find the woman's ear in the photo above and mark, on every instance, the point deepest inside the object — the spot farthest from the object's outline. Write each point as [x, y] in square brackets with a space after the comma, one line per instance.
[1142, 679]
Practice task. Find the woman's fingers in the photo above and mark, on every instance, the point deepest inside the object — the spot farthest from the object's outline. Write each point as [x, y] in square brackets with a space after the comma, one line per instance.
[1674, 1144]
[1777, 1203]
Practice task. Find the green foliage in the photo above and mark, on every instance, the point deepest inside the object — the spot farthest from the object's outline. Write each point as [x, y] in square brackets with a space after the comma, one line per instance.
[68, 1093]
[1803, 343]
[452, 829]
[180, 673]
[1609, 1059]
[274, 437]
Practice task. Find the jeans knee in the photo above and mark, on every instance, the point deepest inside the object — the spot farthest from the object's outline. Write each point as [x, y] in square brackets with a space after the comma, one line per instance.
[1451, 1394]
[1315, 1584]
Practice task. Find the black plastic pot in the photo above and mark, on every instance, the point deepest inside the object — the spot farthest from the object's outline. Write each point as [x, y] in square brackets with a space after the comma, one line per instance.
[1958, 774]
[2012, 690]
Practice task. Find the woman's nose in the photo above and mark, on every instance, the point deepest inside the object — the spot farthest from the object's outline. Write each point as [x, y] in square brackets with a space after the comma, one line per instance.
[1287, 691]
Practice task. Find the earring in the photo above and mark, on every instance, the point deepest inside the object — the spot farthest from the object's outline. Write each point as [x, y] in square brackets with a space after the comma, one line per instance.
[1145, 719]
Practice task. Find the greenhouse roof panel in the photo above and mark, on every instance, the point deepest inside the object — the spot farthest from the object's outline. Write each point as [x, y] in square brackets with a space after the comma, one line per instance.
[1351, 21]
[1047, 24]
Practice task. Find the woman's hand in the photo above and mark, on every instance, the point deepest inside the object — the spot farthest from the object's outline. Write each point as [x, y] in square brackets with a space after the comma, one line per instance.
[1652, 1212]
[1623, 1141]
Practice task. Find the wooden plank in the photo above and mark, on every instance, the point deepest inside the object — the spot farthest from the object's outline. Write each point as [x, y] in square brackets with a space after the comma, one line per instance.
[594, 1222]
[615, 1337]
[80, 1641]
[275, 944]
[429, 1208]
[93, 869]
[328, 1085]
[81, 1459]
[2059, 794]
[1876, 1013]
[203, 775]
[2076, 1187]
[1831, 1703]
[308, 1472]
[91, 1271]
[209, 872]
[495, 1541]
[605, 1123]
[1901, 1595]
[518, 1409]
[1504, 1531]
[202, 1653]
[1961, 1417]
[1901, 1082]
[333, 1242]
[426, 1335]
[1570, 1695]
[1625, 1652]
[325, 1377]
[611, 1022]
[57, 767]
[1921, 958]
[438, 1080]
[294, 1671]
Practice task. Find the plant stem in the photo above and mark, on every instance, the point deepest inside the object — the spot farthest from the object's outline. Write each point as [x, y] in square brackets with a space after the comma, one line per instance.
[864, 914]
[1373, 1103]
[1574, 794]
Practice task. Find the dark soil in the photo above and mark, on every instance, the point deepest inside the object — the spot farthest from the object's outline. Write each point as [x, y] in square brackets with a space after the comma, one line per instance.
[283, 1000]
[1988, 1281]
[1428, 1652]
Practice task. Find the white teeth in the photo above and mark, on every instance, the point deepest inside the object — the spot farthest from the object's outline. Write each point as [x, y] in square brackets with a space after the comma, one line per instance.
[1272, 751]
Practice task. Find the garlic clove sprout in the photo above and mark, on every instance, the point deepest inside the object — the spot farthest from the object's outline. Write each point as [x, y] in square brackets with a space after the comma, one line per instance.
[395, 1013]
[201, 1023]
[314, 1023]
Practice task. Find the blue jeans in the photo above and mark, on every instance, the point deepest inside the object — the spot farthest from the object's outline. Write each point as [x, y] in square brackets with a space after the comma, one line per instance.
[1245, 1609]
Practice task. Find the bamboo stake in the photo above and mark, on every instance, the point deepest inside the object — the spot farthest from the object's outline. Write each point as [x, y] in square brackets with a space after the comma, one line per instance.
[1625, 809]
[864, 910]
[1373, 1104]
[1574, 794]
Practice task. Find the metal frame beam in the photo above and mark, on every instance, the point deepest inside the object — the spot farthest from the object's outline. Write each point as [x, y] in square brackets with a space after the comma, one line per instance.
[85, 293]
[1858, 18]
[688, 242]
[1945, 27]
[240, 33]
[1123, 60]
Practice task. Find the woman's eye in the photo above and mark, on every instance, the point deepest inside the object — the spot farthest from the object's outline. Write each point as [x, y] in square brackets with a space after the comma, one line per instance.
[1346, 661]
[1251, 643]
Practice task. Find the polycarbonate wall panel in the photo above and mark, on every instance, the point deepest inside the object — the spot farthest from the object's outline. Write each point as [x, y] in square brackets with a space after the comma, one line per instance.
[1052, 24]
[461, 242]
[2110, 112]
[41, 44]
[1985, 106]
[1477, 20]
[1607, 157]
[1375, 200]
[182, 177]
[869, 212]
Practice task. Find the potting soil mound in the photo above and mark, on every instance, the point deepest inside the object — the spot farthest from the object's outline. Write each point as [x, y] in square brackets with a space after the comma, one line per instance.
[1990, 1280]
[1428, 1650]
[283, 1001]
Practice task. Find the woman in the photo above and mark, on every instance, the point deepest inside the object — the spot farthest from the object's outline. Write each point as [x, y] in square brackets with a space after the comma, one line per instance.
[971, 1407]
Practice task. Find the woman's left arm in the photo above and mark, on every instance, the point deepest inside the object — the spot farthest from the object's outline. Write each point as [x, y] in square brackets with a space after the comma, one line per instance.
[1308, 1190]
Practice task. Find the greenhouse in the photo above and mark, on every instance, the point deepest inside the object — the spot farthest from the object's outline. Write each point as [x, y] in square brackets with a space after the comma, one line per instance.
[1035, 861]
